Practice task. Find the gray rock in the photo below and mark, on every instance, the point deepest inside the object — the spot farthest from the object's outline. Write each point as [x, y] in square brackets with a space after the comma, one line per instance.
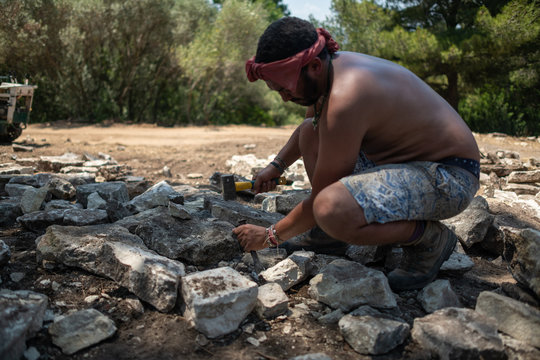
[291, 271]
[16, 169]
[111, 251]
[457, 262]
[199, 241]
[82, 217]
[16, 190]
[108, 191]
[364, 254]
[494, 240]
[523, 177]
[21, 316]
[458, 333]
[236, 213]
[94, 201]
[131, 222]
[157, 195]
[10, 209]
[217, 300]
[61, 204]
[61, 188]
[284, 203]
[438, 295]
[372, 335]
[55, 163]
[32, 199]
[513, 317]
[522, 251]
[346, 284]
[518, 350]
[178, 211]
[332, 317]
[5, 254]
[271, 301]
[38, 221]
[472, 224]
[522, 189]
[80, 330]
[31, 353]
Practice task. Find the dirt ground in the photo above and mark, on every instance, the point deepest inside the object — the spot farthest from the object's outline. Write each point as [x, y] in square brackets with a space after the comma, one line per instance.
[189, 151]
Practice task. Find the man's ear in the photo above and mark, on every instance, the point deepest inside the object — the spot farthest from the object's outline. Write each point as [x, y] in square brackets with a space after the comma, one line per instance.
[315, 66]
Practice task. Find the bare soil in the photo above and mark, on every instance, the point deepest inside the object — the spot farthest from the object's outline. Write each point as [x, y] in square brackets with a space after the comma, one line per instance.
[187, 151]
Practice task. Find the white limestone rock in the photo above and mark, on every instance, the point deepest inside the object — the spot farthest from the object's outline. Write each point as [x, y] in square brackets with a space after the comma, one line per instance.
[217, 300]
[271, 301]
[291, 271]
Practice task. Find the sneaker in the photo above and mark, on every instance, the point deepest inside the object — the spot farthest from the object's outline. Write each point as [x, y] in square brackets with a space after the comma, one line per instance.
[423, 258]
[317, 241]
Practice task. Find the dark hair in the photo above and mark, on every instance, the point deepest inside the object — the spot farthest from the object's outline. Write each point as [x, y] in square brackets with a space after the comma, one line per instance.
[286, 37]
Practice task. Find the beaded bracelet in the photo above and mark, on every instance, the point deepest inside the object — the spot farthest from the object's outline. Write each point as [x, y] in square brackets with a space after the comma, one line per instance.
[269, 238]
[281, 162]
[277, 166]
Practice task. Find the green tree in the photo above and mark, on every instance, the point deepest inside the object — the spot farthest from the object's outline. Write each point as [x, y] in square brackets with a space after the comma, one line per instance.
[275, 9]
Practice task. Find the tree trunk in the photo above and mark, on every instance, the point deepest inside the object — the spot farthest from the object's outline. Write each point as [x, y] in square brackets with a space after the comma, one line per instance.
[452, 94]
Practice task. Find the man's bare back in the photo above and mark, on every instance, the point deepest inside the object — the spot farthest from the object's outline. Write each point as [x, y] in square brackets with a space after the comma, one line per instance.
[405, 119]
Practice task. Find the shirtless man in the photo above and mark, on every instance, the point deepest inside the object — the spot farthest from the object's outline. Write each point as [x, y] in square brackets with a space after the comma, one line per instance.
[386, 156]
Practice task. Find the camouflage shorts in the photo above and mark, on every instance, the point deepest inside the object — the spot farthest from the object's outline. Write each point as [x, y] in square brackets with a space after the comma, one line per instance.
[418, 190]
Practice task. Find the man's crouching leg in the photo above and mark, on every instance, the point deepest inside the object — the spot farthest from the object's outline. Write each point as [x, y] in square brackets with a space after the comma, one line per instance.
[339, 214]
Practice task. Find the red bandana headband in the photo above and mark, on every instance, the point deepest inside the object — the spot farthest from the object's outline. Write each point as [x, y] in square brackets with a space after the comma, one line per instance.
[286, 72]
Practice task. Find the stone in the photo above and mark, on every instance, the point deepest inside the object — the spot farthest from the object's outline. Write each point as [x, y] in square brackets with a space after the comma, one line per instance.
[522, 251]
[5, 254]
[364, 254]
[332, 317]
[14, 190]
[21, 316]
[31, 161]
[55, 163]
[111, 251]
[472, 224]
[157, 195]
[371, 335]
[512, 317]
[16, 169]
[61, 188]
[32, 199]
[524, 177]
[518, 350]
[61, 204]
[178, 211]
[494, 240]
[457, 262]
[346, 284]
[38, 221]
[10, 209]
[80, 330]
[108, 191]
[283, 204]
[290, 271]
[16, 276]
[217, 300]
[271, 301]
[94, 201]
[197, 241]
[236, 213]
[83, 217]
[117, 210]
[521, 189]
[458, 333]
[31, 353]
[437, 295]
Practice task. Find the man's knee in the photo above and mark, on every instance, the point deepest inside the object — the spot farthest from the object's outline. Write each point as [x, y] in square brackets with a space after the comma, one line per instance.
[324, 208]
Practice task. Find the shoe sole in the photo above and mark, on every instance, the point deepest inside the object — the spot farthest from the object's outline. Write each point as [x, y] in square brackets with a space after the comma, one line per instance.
[447, 251]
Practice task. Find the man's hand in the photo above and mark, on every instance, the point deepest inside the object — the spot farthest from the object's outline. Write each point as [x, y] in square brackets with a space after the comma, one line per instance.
[251, 237]
[264, 181]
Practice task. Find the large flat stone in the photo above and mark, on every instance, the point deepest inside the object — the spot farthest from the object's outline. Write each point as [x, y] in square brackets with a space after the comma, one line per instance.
[218, 300]
[372, 335]
[513, 317]
[522, 251]
[157, 195]
[458, 333]
[111, 251]
[108, 191]
[347, 284]
[80, 330]
[236, 213]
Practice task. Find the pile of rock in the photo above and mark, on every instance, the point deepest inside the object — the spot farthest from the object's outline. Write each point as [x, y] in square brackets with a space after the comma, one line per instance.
[172, 247]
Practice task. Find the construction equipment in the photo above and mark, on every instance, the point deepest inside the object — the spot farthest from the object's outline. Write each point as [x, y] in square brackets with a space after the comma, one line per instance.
[15, 107]
[229, 187]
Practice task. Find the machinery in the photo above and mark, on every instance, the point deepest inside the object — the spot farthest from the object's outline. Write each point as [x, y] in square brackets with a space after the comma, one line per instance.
[15, 107]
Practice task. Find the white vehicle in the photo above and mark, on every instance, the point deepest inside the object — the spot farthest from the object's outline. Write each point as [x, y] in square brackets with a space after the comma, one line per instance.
[15, 107]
